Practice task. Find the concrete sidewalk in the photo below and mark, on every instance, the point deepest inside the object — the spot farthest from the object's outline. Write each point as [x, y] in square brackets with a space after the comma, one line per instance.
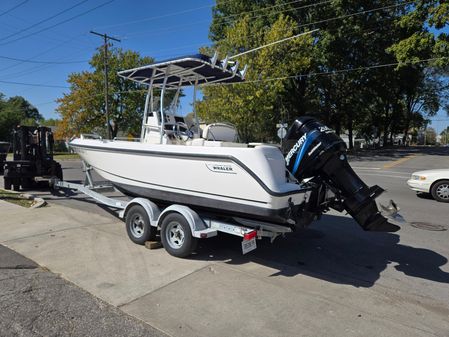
[308, 284]
[36, 302]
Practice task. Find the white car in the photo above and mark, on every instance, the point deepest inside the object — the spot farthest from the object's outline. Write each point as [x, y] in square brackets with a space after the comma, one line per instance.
[435, 182]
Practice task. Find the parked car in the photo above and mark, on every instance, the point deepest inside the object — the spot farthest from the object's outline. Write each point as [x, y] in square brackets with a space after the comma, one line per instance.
[435, 182]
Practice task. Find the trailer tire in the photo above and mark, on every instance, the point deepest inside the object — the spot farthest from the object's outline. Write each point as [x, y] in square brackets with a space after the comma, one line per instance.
[138, 225]
[176, 235]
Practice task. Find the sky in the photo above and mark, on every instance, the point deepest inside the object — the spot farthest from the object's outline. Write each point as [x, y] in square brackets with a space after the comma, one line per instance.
[160, 29]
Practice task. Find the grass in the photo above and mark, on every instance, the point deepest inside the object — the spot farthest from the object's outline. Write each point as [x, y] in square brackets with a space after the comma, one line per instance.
[57, 156]
[64, 156]
[15, 198]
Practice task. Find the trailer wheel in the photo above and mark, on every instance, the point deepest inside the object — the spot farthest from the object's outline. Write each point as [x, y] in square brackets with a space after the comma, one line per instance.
[138, 225]
[176, 235]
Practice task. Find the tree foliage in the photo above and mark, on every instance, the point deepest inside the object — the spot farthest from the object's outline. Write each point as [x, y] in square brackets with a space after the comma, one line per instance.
[16, 111]
[254, 107]
[373, 69]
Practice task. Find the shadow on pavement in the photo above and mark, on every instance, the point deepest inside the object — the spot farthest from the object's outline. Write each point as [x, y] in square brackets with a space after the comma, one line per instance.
[340, 253]
[335, 249]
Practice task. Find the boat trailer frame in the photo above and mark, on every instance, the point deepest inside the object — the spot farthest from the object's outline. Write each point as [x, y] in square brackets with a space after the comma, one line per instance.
[201, 226]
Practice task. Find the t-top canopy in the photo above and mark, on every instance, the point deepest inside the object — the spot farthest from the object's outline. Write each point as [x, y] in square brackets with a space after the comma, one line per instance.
[186, 71]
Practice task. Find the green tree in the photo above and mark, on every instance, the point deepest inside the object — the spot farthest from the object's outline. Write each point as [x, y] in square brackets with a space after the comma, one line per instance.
[82, 110]
[445, 136]
[345, 86]
[255, 107]
[16, 111]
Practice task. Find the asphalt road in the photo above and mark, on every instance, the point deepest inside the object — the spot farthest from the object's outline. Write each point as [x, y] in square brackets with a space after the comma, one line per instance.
[410, 264]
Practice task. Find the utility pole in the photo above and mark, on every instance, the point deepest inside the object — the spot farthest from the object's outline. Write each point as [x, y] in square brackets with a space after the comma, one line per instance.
[106, 82]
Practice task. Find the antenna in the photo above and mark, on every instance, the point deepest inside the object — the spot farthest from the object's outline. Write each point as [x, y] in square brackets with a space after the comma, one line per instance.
[273, 43]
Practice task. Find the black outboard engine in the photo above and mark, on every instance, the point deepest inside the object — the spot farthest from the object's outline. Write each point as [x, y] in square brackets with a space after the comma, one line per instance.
[313, 150]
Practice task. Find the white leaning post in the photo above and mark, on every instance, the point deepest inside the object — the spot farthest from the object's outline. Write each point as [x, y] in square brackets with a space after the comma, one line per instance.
[164, 84]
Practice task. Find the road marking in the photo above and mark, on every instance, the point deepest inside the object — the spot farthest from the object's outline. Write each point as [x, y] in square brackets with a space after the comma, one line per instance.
[399, 161]
[384, 175]
[365, 168]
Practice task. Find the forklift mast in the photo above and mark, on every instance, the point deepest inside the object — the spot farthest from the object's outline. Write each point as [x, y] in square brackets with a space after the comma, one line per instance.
[33, 143]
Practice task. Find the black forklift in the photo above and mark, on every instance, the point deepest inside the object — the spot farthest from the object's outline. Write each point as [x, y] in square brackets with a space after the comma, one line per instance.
[32, 158]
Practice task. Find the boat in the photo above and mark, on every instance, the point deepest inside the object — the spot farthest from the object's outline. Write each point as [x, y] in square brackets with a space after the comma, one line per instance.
[177, 161]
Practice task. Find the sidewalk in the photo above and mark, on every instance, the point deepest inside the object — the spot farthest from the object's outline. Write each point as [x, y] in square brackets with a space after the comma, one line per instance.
[36, 302]
[218, 292]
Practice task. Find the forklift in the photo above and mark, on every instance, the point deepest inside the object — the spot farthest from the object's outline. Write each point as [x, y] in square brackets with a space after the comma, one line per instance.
[32, 158]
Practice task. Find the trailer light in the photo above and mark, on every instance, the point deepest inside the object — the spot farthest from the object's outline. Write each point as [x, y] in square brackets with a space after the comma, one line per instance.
[250, 235]
[203, 236]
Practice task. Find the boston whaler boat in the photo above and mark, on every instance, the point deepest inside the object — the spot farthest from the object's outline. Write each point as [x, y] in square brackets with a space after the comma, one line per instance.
[208, 172]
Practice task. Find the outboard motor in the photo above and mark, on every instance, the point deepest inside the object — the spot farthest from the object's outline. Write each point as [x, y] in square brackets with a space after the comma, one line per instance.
[313, 150]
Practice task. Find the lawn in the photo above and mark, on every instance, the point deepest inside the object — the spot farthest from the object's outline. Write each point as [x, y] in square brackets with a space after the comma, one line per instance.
[15, 198]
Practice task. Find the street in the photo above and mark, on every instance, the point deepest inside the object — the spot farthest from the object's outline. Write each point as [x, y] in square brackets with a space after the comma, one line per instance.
[332, 279]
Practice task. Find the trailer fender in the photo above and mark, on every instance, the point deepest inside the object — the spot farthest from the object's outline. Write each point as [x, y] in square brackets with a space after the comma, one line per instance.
[195, 222]
[150, 207]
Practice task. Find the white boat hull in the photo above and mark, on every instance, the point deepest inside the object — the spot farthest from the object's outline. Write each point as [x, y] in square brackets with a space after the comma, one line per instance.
[248, 182]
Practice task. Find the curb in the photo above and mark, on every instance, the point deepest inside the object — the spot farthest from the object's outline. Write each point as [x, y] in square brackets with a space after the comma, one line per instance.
[37, 202]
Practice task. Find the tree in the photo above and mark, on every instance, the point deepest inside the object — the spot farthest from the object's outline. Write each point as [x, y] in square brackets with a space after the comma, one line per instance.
[16, 111]
[352, 82]
[254, 107]
[82, 110]
[431, 136]
[445, 136]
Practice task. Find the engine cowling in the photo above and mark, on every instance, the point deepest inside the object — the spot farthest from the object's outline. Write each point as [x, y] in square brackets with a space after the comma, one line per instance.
[312, 149]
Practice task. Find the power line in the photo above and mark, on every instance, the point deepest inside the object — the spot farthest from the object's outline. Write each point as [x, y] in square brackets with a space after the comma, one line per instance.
[35, 84]
[239, 14]
[13, 8]
[155, 17]
[58, 24]
[40, 62]
[42, 21]
[285, 10]
[40, 54]
[170, 29]
[354, 14]
[332, 73]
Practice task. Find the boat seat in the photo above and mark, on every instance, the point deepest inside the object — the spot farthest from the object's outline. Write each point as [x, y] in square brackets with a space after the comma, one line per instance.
[220, 132]
[223, 144]
[212, 143]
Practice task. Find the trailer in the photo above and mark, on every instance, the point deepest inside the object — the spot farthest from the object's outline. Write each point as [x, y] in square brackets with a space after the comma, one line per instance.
[179, 226]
